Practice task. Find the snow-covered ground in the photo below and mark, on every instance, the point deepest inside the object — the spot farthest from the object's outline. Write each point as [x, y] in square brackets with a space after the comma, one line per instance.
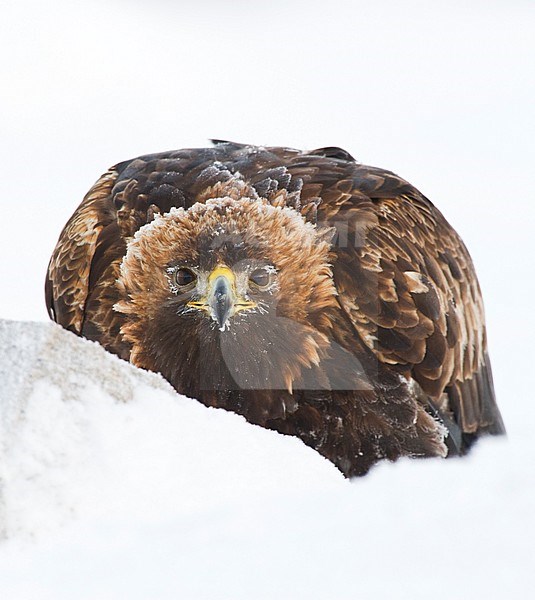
[87, 435]
[112, 486]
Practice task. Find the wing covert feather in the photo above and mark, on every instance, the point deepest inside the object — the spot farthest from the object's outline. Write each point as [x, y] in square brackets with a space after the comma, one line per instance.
[67, 282]
[408, 285]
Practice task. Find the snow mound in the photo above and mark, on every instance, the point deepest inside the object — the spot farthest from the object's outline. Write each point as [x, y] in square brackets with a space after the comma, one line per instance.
[85, 434]
[113, 486]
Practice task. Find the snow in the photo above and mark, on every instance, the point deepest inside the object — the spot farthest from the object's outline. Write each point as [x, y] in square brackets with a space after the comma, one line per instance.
[112, 486]
[115, 486]
[85, 434]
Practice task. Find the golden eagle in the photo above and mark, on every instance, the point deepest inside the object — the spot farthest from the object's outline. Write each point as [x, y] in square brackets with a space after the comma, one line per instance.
[309, 293]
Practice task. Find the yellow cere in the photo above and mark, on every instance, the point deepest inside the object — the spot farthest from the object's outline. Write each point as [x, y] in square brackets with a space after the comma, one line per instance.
[222, 271]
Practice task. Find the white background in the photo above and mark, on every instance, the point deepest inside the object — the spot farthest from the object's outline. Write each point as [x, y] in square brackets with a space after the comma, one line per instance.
[440, 92]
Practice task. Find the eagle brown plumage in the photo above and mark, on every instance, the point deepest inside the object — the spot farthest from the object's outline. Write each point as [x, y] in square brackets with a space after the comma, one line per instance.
[314, 295]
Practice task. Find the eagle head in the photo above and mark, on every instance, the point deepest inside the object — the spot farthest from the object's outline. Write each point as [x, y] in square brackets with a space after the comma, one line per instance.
[231, 293]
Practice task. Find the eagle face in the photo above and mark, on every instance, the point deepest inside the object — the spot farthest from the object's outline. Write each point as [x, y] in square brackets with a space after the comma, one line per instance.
[245, 283]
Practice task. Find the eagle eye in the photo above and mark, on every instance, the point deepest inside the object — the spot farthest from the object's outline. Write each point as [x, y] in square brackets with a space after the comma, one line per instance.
[185, 277]
[260, 278]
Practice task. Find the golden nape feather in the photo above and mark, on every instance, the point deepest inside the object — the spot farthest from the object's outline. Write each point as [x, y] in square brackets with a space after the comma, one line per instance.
[314, 295]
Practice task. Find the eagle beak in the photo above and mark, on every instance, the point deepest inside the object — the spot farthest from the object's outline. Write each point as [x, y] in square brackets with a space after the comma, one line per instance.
[222, 300]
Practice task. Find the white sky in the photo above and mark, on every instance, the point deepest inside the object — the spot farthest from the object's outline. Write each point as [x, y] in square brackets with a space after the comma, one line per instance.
[440, 92]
